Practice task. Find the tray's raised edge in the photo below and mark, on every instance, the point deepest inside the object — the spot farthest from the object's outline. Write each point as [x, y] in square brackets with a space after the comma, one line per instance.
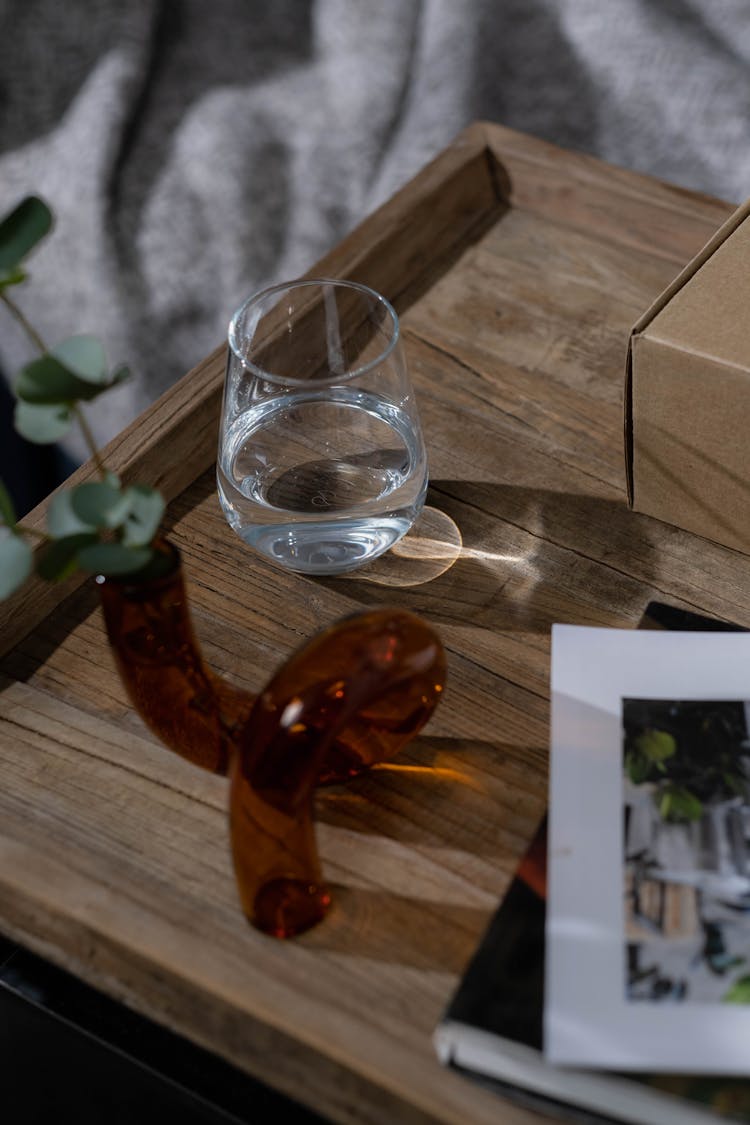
[606, 201]
[438, 211]
[172, 442]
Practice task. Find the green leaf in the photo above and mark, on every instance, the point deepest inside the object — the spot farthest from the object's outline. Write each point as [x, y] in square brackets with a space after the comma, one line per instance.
[113, 558]
[735, 783]
[62, 520]
[679, 805]
[61, 557]
[47, 382]
[21, 229]
[15, 562]
[739, 993]
[42, 424]
[147, 509]
[84, 356]
[7, 511]
[656, 745]
[637, 767]
[112, 479]
[98, 504]
[13, 276]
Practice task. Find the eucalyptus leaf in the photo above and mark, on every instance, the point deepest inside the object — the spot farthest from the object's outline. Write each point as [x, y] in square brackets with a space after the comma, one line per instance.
[7, 511]
[99, 504]
[113, 558]
[85, 357]
[15, 562]
[62, 519]
[21, 229]
[47, 382]
[146, 511]
[61, 557]
[42, 424]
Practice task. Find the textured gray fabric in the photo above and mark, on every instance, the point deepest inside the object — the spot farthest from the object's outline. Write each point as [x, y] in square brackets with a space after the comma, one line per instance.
[196, 151]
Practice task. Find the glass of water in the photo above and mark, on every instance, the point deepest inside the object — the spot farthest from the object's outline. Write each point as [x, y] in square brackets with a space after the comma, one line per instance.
[321, 464]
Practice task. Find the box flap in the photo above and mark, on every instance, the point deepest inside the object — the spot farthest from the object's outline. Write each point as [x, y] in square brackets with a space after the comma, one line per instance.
[708, 315]
[727, 228]
[652, 312]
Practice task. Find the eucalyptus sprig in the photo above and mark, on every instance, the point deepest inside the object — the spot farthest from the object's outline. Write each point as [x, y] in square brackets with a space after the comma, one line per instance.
[98, 526]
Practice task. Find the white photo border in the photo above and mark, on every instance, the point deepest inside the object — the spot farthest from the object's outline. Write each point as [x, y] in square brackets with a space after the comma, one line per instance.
[588, 1019]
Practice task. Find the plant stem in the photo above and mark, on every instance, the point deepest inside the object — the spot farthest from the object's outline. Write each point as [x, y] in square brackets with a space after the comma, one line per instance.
[33, 532]
[39, 343]
[88, 437]
[28, 328]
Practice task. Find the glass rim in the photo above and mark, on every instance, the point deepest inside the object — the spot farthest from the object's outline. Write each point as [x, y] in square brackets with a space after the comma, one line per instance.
[301, 283]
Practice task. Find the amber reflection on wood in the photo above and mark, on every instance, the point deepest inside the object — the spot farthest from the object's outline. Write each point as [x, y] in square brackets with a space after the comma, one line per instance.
[350, 698]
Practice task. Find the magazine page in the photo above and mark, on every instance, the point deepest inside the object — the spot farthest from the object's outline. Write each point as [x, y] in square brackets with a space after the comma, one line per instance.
[648, 923]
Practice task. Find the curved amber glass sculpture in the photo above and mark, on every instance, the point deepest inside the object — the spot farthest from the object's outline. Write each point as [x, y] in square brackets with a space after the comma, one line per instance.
[193, 711]
[349, 698]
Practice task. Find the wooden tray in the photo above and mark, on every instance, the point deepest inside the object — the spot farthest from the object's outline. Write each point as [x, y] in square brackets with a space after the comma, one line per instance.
[518, 270]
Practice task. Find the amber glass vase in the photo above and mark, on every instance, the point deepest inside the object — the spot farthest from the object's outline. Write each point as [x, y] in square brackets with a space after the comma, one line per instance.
[349, 698]
[193, 711]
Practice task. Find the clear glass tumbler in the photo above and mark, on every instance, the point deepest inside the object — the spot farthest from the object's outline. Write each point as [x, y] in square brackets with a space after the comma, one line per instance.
[321, 463]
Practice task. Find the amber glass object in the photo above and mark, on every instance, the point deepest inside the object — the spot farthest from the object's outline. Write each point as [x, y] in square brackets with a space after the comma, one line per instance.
[192, 711]
[349, 698]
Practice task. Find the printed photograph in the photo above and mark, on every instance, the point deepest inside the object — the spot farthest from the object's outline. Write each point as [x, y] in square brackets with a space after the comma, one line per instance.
[686, 809]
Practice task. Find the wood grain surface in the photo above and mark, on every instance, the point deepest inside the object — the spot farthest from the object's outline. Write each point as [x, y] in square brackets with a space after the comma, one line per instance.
[518, 270]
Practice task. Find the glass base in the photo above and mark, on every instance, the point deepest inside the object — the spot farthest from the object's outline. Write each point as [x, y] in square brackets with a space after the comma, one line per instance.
[326, 548]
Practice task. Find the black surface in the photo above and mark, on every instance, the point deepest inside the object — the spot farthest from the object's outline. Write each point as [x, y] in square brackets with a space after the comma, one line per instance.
[670, 617]
[69, 1053]
[502, 990]
[29, 472]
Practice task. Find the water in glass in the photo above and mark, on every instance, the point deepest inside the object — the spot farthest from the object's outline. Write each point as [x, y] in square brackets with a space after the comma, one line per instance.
[322, 473]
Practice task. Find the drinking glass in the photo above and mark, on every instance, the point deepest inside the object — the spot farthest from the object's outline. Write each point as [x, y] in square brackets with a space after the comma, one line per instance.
[321, 463]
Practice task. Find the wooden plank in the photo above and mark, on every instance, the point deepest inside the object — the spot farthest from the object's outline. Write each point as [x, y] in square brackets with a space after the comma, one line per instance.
[518, 269]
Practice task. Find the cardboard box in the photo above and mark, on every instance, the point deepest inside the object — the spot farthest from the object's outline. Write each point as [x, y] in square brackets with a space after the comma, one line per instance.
[687, 394]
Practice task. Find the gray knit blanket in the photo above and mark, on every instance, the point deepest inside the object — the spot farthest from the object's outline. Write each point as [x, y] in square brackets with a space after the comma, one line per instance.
[197, 150]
